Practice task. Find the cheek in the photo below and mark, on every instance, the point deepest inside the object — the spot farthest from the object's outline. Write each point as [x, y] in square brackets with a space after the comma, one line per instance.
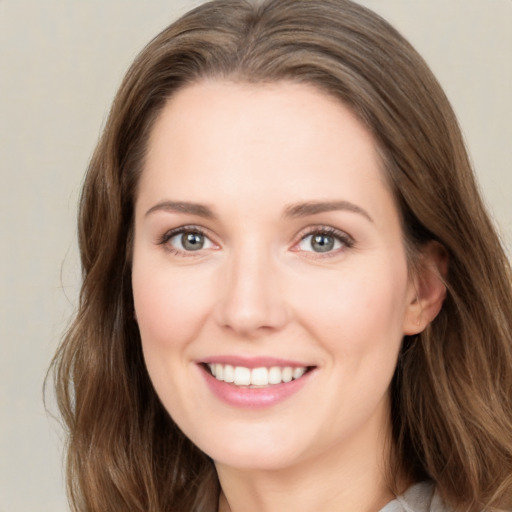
[358, 308]
[170, 305]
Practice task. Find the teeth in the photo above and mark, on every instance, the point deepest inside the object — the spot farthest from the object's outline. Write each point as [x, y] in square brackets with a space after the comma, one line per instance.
[287, 374]
[229, 373]
[274, 375]
[242, 376]
[298, 372]
[219, 371]
[259, 377]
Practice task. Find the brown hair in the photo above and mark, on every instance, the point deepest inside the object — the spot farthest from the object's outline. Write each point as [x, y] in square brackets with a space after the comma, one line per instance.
[452, 391]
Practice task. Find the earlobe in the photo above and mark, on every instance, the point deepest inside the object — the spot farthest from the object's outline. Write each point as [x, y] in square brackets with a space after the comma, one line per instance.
[429, 288]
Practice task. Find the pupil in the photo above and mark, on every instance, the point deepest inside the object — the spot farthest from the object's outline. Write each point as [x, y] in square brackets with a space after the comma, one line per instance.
[192, 241]
[322, 243]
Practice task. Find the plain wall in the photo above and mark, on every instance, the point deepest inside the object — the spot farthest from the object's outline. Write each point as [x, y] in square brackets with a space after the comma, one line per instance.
[60, 64]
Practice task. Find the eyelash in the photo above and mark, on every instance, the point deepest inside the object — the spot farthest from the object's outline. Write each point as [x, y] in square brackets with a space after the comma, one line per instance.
[346, 241]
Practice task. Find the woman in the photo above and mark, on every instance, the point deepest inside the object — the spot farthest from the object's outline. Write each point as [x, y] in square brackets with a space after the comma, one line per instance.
[293, 298]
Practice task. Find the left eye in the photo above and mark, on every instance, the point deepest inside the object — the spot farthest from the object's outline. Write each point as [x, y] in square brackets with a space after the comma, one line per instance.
[188, 241]
[321, 242]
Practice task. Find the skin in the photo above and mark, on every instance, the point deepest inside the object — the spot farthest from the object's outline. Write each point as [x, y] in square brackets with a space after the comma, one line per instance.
[258, 287]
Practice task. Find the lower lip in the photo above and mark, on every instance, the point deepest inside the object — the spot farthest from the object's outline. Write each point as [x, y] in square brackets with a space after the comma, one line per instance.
[254, 398]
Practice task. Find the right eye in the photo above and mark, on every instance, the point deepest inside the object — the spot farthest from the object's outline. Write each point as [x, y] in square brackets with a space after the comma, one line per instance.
[186, 240]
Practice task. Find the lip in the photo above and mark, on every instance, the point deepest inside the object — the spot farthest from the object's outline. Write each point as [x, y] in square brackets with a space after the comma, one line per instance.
[253, 398]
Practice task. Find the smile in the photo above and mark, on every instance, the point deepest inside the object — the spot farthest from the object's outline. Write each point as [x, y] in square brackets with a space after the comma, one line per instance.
[255, 383]
[255, 377]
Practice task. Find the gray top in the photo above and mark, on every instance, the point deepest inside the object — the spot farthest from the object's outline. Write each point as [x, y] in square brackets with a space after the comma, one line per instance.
[420, 497]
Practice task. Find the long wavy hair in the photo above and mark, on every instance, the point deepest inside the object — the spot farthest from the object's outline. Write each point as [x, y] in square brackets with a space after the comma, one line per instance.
[452, 390]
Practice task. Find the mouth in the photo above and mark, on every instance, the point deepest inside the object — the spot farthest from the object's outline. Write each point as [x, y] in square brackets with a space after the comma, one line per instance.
[255, 383]
[260, 377]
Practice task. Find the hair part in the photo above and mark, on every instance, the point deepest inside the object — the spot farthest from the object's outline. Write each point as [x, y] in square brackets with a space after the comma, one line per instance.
[452, 391]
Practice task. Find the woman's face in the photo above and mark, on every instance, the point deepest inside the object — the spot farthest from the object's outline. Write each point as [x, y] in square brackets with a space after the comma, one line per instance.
[268, 250]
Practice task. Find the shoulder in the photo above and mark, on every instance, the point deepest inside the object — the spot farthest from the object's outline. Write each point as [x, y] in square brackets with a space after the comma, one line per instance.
[420, 497]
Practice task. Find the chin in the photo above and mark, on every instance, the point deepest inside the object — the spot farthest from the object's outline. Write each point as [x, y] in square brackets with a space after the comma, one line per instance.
[256, 460]
[260, 448]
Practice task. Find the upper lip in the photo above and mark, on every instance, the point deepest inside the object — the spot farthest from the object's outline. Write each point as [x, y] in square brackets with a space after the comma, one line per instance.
[252, 362]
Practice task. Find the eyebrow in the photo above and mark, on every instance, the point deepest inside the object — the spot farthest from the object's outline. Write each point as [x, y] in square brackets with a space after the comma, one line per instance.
[183, 207]
[316, 207]
[293, 211]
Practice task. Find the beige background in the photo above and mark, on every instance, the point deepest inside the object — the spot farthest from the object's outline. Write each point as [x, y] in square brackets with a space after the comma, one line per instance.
[60, 63]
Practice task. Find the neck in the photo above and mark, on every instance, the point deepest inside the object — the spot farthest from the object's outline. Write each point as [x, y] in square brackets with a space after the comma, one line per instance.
[352, 477]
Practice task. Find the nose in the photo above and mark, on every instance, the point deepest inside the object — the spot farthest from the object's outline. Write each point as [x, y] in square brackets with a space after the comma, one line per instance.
[251, 300]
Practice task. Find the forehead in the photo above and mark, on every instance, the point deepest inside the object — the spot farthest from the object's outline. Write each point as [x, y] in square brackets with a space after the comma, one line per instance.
[246, 140]
[205, 105]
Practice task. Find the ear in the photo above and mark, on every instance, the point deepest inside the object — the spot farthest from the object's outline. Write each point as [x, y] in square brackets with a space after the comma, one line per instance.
[427, 288]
